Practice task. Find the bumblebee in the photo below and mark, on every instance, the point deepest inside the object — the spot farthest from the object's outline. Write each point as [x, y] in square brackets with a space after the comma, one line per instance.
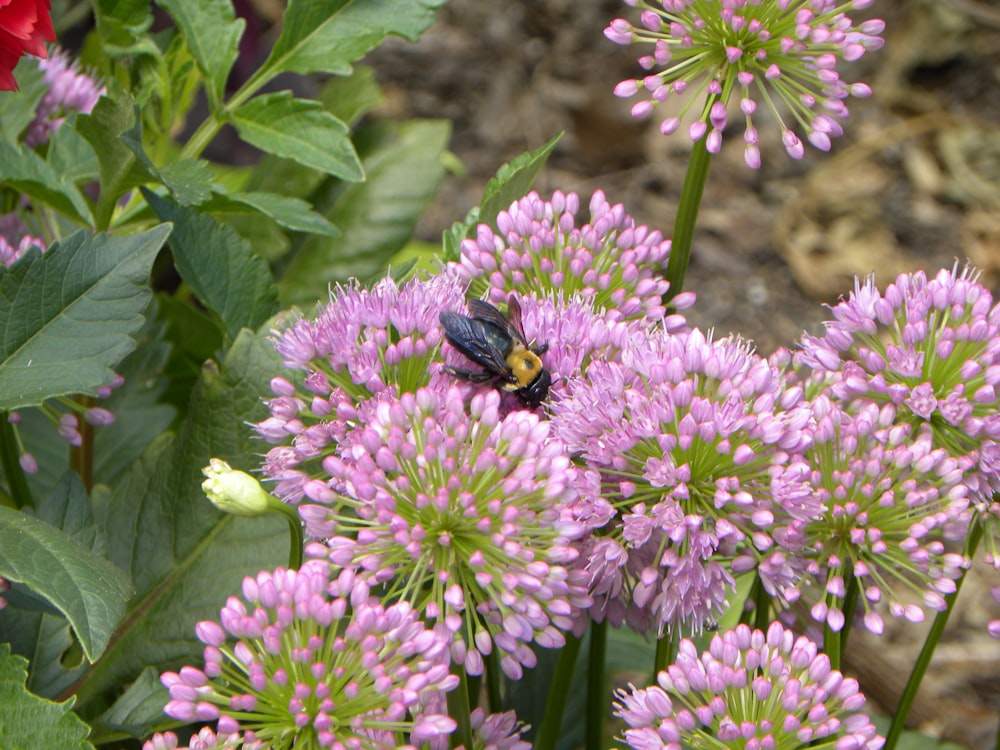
[497, 343]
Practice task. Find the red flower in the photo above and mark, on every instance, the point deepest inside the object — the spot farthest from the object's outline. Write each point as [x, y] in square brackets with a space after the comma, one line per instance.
[25, 26]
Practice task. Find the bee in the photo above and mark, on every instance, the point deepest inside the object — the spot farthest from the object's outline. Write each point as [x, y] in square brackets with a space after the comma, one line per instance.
[497, 343]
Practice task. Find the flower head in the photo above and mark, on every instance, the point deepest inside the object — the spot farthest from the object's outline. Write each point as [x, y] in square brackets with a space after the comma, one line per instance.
[750, 689]
[537, 249]
[889, 501]
[679, 438]
[70, 90]
[927, 352]
[458, 512]
[25, 26]
[316, 663]
[776, 52]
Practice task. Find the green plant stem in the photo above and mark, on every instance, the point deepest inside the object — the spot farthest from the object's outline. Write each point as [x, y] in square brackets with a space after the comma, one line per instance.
[762, 608]
[459, 710]
[493, 696]
[596, 698]
[296, 542]
[81, 457]
[559, 690]
[687, 216]
[17, 483]
[666, 652]
[927, 651]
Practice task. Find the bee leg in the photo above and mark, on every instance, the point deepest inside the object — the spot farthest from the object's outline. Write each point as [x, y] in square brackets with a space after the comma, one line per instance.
[540, 350]
[468, 375]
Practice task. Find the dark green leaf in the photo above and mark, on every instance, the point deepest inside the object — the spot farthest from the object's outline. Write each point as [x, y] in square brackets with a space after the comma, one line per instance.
[121, 23]
[512, 181]
[377, 217]
[26, 172]
[299, 129]
[194, 338]
[71, 313]
[201, 554]
[291, 213]
[122, 169]
[17, 108]
[350, 98]
[212, 33]
[139, 711]
[71, 156]
[329, 35]
[189, 181]
[29, 721]
[228, 278]
[86, 588]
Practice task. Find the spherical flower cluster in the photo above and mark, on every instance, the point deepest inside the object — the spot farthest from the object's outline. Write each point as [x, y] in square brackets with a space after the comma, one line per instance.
[750, 689]
[70, 90]
[889, 501]
[459, 512]
[25, 26]
[782, 53]
[205, 739]
[316, 663]
[928, 352]
[538, 249]
[679, 438]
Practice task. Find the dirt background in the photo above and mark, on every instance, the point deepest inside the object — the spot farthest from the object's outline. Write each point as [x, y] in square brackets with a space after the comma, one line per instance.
[913, 184]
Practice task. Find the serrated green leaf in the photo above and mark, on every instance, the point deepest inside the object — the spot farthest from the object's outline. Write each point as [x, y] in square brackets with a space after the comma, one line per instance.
[189, 181]
[68, 315]
[291, 213]
[121, 168]
[26, 172]
[202, 555]
[328, 35]
[86, 588]
[452, 237]
[27, 721]
[513, 180]
[121, 23]
[299, 129]
[212, 33]
[228, 278]
[376, 217]
[71, 156]
[17, 108]
[350, 98]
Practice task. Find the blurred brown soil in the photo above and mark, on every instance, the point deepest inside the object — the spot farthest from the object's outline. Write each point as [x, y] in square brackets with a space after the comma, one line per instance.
[913, 184]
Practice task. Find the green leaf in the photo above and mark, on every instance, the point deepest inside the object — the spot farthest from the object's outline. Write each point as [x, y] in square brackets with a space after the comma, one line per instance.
[212, 33]
[511, 182]
[350, 98]
[122, 24]
[377, 217]
[228, 278]
[139, 711]
[17, 108]
[27, 721]
[70, 314]
[86, 588]
[194, 338]
[26, 172]
[291, 213]
[189, 181]
[121, 168]
[71, 156]
[201, 555]
[299, 129]
[328, 35]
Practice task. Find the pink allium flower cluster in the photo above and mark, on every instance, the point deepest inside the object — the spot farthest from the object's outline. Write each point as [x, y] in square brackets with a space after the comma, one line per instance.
[679, 438]
[928, 352]
[888, 501]
[782, 53]
[459, 512]
[537, 249]
[70, 90]
[316, 663]
[750, 690]
[205, 739]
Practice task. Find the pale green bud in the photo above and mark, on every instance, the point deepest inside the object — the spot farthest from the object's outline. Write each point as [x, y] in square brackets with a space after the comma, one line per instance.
[234, 492]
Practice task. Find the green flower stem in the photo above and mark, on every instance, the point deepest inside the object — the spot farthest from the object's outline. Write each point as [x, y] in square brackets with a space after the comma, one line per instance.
[687, 216]
[17, 483]
[927, 651]
[559, 690]
[81, 457]
[459, 710]
[296, 542]
[493, 695]
[666, 652]
[762, 610]
[597, 699]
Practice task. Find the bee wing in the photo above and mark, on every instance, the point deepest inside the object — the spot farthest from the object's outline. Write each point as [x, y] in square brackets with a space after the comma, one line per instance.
[516, 325]
[480, 310]
[469, 336]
